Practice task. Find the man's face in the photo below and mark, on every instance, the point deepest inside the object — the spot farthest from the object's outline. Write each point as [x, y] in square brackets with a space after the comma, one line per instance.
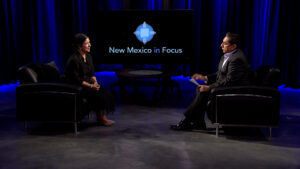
[226, 46]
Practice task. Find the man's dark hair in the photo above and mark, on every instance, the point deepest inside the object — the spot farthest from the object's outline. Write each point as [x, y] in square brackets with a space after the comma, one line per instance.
[234, 39]
[79, 39]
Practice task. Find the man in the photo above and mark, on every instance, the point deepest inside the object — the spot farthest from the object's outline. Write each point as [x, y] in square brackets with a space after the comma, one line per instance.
[232, 71]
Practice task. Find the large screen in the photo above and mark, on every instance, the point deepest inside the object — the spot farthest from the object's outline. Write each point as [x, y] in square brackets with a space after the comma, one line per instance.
[143, 37]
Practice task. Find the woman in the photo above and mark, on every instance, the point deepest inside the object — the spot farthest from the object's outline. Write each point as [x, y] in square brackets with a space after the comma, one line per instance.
[80, 71]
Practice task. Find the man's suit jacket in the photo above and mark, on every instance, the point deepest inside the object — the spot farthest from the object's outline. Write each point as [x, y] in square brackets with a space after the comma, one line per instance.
[234, 72]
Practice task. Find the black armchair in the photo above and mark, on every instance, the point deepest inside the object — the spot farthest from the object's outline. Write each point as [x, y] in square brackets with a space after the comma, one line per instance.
[42, 96]
[256, 105]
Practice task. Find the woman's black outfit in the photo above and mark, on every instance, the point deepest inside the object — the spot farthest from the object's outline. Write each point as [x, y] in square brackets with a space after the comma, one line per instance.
[77, 71]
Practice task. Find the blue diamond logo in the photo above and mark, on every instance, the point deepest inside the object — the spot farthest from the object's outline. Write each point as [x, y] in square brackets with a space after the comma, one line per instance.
[144, 32]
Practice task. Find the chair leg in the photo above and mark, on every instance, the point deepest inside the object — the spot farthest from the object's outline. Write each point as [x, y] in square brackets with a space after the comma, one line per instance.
[89, 116]
[75, 129]
[217, 129]
[26, 127]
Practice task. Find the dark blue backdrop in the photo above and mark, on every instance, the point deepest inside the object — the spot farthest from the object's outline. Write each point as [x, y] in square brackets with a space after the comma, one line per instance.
[40, 31]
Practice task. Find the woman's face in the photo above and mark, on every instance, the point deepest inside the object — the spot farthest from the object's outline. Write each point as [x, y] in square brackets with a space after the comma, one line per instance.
[86, 46]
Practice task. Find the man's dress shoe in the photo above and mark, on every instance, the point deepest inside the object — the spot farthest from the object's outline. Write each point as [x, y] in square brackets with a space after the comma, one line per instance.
[184, 125]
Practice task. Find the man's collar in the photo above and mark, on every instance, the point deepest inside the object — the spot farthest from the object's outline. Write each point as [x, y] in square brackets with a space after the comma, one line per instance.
[232, 51]
[229, 53]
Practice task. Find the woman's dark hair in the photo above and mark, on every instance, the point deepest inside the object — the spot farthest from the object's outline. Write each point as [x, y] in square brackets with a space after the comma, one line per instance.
[79, 39]
[234, 39]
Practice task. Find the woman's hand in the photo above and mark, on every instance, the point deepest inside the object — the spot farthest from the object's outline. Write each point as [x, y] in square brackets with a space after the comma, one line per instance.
[95, 83]
[95, 86]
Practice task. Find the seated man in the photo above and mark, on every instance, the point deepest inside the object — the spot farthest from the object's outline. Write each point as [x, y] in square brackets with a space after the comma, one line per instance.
[233, 70]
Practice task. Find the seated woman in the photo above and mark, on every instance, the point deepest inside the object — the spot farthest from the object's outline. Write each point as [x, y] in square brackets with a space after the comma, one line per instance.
[80, 71]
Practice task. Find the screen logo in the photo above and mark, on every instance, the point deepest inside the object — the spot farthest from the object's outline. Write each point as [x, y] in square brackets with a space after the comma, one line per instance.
[144, 33]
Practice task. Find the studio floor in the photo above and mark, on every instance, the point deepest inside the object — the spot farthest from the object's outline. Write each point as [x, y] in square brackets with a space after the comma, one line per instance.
[141, 138]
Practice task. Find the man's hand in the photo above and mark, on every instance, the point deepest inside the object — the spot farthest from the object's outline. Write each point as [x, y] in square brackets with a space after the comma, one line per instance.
[204, 88]
[199, 76]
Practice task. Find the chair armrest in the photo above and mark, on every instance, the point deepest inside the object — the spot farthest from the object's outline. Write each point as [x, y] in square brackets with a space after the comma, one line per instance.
[254, 90]
[57, 87]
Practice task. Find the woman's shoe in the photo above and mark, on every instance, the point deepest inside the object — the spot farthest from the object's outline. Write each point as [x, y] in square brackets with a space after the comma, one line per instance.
[107, 123]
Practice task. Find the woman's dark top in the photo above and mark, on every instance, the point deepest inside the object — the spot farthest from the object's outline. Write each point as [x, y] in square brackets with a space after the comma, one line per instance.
[77, 71]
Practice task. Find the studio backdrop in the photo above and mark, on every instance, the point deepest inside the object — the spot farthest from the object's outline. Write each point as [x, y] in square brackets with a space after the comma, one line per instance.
[42, 31]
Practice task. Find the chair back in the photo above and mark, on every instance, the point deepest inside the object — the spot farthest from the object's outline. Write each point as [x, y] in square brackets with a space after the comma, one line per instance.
[39, 72]
[27, 75]
[267, 76]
